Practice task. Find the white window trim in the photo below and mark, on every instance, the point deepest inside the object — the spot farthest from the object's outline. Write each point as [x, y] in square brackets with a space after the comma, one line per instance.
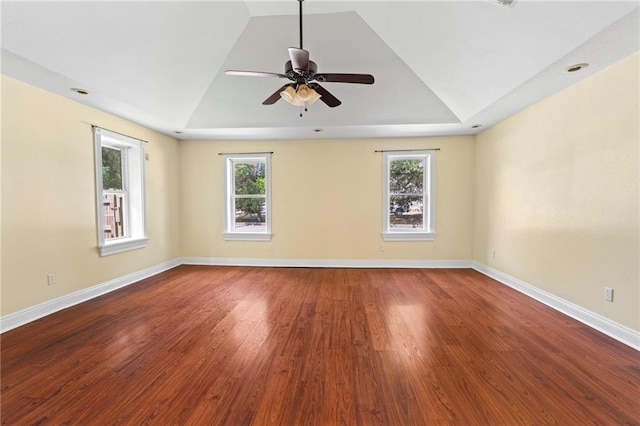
[136, 220]
[229, 215]
[429, 176]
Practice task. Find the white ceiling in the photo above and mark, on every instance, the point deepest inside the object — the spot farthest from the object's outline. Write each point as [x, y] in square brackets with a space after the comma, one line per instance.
[440, 66]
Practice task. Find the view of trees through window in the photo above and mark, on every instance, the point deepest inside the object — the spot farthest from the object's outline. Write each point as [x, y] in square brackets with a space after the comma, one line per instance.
[111, 168]
[406, 193]
[250, 195]
[113, 197]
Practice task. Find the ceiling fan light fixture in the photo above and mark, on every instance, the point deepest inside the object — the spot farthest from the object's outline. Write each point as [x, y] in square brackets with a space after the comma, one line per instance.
[307, 94]
[304, 96]
[289, 95]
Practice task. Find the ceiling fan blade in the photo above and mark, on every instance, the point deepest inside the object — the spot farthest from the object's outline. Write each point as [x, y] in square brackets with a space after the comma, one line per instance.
[345, 78]
[299, 59]
[275, 97]
[254, 73]
[326, 97]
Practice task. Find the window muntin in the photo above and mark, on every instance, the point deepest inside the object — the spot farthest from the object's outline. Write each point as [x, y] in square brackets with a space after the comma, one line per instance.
[247, 197]
[119, 192]
[408, 195]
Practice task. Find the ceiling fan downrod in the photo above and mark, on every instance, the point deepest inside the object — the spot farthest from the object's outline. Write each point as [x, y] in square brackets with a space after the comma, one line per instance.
[300, 7]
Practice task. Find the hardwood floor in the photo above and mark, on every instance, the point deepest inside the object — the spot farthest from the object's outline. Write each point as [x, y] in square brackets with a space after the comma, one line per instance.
[288, 346]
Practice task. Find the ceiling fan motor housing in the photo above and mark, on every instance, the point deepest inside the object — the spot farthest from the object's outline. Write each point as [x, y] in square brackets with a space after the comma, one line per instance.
[301, 76]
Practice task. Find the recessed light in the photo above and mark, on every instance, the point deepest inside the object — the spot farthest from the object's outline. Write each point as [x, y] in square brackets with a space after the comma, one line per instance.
[576, 67]
[476, 126]
[508, 3]
[80, 91]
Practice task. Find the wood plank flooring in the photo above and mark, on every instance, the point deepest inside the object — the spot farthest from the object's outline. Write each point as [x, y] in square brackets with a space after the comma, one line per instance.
[294, 346]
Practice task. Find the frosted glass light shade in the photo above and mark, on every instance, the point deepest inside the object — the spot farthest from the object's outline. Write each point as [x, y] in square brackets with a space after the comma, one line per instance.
[305, 95]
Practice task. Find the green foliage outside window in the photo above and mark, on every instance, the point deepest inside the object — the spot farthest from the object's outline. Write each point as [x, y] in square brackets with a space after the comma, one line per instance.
[406, 181]
[111, 168]
[250, 180]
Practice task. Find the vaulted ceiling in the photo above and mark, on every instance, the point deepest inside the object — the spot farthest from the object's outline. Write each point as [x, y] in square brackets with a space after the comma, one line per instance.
[441, 67]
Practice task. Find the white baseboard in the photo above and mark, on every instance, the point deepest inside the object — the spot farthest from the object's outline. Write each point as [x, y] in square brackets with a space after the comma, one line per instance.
[611, 328]
[326, 263]
[33, 313]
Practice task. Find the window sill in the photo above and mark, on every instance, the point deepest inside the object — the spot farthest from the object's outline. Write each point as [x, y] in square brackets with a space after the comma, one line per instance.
[247, 236]
[408, 236]
[122, 246]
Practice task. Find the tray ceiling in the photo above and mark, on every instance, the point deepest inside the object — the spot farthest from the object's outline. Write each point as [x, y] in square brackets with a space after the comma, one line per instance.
[440, 67]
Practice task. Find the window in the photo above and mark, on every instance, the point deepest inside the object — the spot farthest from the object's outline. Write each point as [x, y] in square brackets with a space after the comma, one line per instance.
[408, 196]
[119, 192]
[247, 197]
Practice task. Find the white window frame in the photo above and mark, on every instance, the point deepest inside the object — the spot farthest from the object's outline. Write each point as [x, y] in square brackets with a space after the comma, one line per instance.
[229, 232]
[427, 232]
[133, 182]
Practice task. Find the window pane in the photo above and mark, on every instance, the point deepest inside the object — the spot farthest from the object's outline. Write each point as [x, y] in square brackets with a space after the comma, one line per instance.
[406, 213]
[406, 176]
[249, 178]
[113, 209]
[250, 214]
[111, 168]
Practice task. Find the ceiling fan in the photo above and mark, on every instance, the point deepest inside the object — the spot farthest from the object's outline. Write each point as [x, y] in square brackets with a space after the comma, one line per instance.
[304, 89]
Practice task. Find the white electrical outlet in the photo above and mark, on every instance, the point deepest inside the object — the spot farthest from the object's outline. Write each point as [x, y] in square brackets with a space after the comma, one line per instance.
[270, 247]
[51, 279]
[381, 247]
[608, 294]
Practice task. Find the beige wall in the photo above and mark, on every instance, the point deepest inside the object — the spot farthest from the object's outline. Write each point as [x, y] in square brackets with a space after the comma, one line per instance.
[553, 190]
[48, 198]
[557, 194]
[327, 200]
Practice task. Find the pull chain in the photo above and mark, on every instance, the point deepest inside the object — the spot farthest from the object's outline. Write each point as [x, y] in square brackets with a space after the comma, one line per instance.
[305, 108]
